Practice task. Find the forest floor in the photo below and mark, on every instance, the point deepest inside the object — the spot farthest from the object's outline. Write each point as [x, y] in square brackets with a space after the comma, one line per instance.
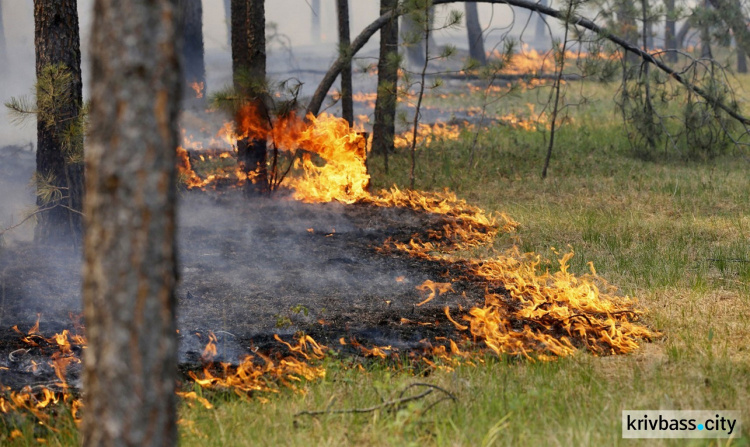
[670, 232]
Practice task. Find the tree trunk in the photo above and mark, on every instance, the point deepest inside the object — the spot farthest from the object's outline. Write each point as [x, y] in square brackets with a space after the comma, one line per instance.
[347, 105]
[413, 35]
[732, 14]
[129, 249]
[194, 65]
[541, 26]
[705, 35]
[228, 20]
[3, 46]
[384, 127]
[57, 41]
[315, 21]
[249, 70]
[741, 61]
[474, 30]
[670, 31]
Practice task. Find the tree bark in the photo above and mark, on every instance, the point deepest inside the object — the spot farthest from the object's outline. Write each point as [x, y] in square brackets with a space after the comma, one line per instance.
[384, 127]
[474, 31]
[249, 71]
[57, 41]
[347, 104]
[194, 65]
[129, 248]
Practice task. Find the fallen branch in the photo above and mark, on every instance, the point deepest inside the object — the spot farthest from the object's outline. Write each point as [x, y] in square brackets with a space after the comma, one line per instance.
[325, 85]
[395, 403]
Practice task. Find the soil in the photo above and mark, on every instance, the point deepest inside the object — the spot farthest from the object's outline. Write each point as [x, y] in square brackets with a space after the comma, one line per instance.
[251, 269]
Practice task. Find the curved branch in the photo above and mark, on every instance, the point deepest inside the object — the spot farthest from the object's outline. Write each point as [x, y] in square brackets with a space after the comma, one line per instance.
[370, 30]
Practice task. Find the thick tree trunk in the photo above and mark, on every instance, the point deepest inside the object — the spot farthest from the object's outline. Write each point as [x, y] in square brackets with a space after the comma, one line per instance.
[347, 105]
[249, 68]
[192, 49]
[57, 41]
[129, 248]
[315, 21]
[474, 31]
[384, 127]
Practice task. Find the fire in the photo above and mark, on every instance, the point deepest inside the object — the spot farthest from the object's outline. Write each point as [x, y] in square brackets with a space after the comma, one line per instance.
[198, 89]
[428, 133]
[265, 375]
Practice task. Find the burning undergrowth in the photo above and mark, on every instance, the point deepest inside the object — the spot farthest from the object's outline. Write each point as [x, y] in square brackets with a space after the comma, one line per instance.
[270, 285]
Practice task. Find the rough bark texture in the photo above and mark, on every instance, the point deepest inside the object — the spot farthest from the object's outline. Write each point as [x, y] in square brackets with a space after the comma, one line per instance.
[194, 65]
[347, 105]
[129, 251]
[249, 68]
[57, 41]
[474, 31]
[384, 127]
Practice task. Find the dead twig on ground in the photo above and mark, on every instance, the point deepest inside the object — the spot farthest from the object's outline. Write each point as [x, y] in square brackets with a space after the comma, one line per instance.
[391, 404]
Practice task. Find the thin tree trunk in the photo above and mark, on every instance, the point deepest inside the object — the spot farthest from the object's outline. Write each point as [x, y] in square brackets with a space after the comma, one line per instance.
[541, 25]
[315, 29]
[228, 20]
[384, 127]
[3, 46]
[347, 105]
[192, 49]
[417, 110]
[670, 31]
[732, 14]
[412, 32]
[57, 41]
[330, 77]
[705, 36]
[741, 61]
[129, 248]
[474, 31]
[249, 69]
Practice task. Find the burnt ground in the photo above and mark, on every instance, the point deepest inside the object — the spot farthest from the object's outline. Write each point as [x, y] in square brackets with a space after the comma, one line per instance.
[249, 270]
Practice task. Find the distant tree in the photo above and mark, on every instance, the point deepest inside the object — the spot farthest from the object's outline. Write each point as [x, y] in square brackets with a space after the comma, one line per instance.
[476, 38]
[59, 170]
[129, 271]
[228, 19]
[3, 46]
[249, 73]
[347, 105]
[541, 25]
[670, 30]
[192, 48]
[412, 36]
[315, 21]
[384, 127]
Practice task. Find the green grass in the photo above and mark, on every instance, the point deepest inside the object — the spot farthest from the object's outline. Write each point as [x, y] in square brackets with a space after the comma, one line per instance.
[675, 234]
